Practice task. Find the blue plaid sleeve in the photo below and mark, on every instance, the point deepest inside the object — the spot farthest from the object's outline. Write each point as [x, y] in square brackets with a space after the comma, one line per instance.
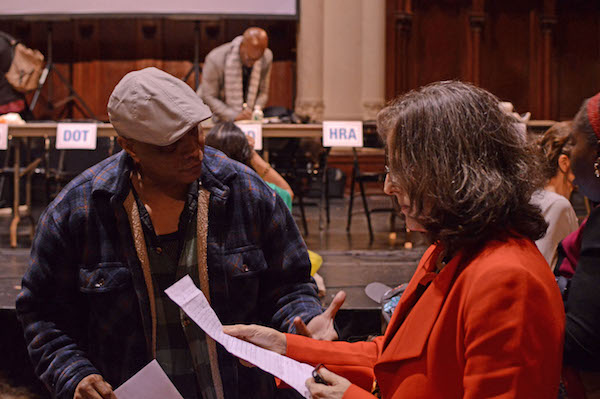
[49, 312]
[289, 291]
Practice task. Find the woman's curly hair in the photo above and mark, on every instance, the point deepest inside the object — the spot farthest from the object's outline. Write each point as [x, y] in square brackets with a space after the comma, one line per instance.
[463, 163]
[554, 143]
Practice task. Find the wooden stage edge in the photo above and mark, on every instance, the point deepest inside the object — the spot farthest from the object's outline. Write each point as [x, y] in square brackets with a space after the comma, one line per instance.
[270, 130]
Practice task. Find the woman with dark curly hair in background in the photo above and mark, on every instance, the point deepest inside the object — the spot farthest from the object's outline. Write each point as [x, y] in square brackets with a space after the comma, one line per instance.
[554, 200]
[482, 316]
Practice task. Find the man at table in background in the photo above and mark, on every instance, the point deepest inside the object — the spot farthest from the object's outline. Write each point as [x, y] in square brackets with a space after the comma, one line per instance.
[236, 75]
[93, 306]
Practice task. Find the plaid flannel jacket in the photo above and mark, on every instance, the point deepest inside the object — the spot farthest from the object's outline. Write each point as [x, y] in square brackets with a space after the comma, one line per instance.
[84, 304]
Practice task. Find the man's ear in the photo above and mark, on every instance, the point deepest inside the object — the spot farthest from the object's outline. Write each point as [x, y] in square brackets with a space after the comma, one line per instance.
[564, 163]
[128, 146]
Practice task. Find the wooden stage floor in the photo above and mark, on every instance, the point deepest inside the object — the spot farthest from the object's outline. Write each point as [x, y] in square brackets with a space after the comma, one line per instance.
[350, 261]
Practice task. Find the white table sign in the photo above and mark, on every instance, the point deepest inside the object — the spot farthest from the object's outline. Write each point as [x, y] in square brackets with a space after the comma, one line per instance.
[253, 130]
[3, 136]
[342, 134]
[76, 136]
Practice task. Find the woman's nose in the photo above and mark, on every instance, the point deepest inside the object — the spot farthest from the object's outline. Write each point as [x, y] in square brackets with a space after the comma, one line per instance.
[387, 185]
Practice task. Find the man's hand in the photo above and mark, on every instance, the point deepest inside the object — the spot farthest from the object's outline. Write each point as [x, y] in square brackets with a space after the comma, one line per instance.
[335, 388]
[264, 337]
[94, 387]
[321, 326]
[244, 115]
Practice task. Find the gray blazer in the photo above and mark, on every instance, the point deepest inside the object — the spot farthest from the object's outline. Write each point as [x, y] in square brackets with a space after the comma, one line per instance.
[221, 87]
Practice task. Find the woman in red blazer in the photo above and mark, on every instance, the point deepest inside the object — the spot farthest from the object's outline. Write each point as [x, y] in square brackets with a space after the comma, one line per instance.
[482, 316]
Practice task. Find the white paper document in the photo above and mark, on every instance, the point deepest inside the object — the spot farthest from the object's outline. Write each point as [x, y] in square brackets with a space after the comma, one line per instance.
[194, 303]
[151, 382]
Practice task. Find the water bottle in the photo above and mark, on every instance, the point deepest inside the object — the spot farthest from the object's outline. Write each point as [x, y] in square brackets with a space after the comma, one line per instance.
[257, 114]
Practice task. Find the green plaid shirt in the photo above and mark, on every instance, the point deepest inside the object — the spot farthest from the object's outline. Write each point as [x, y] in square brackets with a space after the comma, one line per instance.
[171, 257]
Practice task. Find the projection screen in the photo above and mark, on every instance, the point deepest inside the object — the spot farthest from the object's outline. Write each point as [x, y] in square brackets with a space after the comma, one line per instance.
[46, 9]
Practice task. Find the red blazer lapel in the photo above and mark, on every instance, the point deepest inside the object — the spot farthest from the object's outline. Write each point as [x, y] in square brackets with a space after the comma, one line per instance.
[407, 298]
[406, 336]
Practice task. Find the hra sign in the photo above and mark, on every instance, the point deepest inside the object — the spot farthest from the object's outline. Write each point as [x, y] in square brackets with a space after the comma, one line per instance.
[253, 130]
[342, 134]
[76, 136]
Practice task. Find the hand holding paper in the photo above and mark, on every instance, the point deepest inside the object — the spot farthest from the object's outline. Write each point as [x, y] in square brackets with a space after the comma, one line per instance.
[264, 337]
[195, 305]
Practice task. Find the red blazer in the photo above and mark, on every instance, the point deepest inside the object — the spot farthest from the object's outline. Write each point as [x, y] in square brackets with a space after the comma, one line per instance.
[491, 327]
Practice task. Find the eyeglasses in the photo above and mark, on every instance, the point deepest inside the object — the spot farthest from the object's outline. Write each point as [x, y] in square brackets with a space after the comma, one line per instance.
[393, 181]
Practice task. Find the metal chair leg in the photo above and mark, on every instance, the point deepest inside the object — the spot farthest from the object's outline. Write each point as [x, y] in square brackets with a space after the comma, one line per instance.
[302, 214]
[352, 182]
[366, 207]
[327, 196]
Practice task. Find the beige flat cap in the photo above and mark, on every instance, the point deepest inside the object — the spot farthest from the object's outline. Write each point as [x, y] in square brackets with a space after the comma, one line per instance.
[155, 107]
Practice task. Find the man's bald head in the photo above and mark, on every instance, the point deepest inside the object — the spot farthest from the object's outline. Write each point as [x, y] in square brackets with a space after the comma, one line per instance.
[254, 44]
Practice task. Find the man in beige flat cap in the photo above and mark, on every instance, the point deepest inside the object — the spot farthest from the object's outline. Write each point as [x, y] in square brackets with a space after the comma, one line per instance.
[93, 306]
[236, 76]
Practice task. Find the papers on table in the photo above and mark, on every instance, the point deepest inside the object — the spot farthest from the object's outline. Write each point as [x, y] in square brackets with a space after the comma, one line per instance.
[195, 305]
[151, 382]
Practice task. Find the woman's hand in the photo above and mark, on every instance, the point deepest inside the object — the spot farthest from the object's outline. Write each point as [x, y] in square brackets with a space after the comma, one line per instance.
[335, 388]
[264, 337]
